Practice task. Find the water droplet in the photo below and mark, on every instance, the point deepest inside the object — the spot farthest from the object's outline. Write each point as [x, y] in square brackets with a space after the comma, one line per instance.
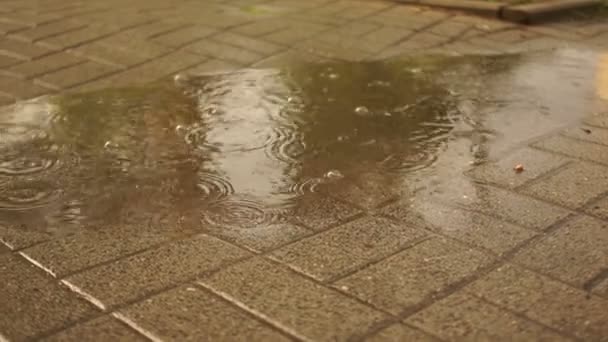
[109, 145]
[361, 110]
[333, 174]
[333, 76]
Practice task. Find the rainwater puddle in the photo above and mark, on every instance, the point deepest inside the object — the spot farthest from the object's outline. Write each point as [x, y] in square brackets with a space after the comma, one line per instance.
[242, 149]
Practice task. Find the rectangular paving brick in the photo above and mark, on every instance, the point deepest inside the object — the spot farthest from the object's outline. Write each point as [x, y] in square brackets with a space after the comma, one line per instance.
[506, 205]
[109, 55]
[19, 237]
[22, 50]
[461, 317]
[212, 66]
[189, 313]
[346, 248]
[320, 212]
[224, 51]
[572, 186]
[251, 44]
[10, 26]
[574, 253]
[575, 148]
[105, 328]
[469, 227]
[356, 29]
[262, 27]
[153, 270]
[33, 302]
[297, 31]
[449, 28]
[44, 65]
[261, 237]
[546, 301]
[74, 38]
[85, 249]
[401, 332]
[601, 289]
[287, 59]
[21, 89]
[588, 133]
[333, 51]
[184, 36]
[6, 61]
[367, 191]
[75, 75]
[47, 30]
[599, 208]
[4, 248]
[501, 172]
[413, 276]
[150, 71]
[292, 301]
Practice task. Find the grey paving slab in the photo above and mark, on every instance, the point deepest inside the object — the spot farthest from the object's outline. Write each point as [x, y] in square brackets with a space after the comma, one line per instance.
[502, 172]
[572, 186]
[321, 212]
[16, 237]
[298, 304]
[575, 148]
[432, 266]
[22, 50]
[601, 289]
[588, 133]
[105, 328]
[44, 65]
[469, 227]
[224, 51]
[261, 237]
[546, 301]
[574, 253]
[368, 191]
[133, 277]
[75, 75]
[33, 303]
[345, 248]
[75, 252]
[190, 313]
[503, 204]
[461, 317]
[598, 208]
[251, 44]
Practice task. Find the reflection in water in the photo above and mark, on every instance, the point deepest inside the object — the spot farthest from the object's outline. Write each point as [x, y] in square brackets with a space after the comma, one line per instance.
[241, 149]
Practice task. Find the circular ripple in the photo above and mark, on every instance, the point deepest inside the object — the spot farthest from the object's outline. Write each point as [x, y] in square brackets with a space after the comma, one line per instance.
[26, 195]
[31, 152]
[237, 213]
[213, 186]
[307, 186]
[409, 162]
[285, 145]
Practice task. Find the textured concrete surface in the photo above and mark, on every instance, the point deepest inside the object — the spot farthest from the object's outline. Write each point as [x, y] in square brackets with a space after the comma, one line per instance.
[514, 257]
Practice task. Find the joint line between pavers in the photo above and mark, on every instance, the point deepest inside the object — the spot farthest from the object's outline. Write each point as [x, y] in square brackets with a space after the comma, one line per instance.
[256, 313]
[37, 264]
[84, 295]
[133, 325]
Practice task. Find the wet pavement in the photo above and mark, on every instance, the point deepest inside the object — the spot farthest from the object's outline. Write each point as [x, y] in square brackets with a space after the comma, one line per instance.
[446, 194]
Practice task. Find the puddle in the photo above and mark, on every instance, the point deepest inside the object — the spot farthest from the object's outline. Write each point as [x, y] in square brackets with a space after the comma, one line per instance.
[241, 149]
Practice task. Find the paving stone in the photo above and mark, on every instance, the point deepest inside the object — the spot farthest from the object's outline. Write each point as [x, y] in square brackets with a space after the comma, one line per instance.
[144, 273]
[297, 32]
[320, 213]
[94, 246]
[250, 44]
[32, 302]
[4, 249]
[511, 36]
[104, 328]
[575, 148]
[149, 71]
[10, 26]
[184, 36]
[599, 208]
[225, 52]
[111, 55]
[212, 66]
[367, 191]
[401, 332]
[414, 44]
[261, 237]
[383, 38]
[356, 29]
[503, 204]
[575, 253]
[262, 27]
[21, 89]
[449, 28]
[292, 301]
[147, 30]
[432, 267]
[461, 317]
[573, 186]
[190, 313]
[536, 163]
[75, 75]
[44, 65]
[6, 61]
[471, 228]
[20, 237]
[22, 50]
[333, 51]
[288, 59]
[599, 119]
[78, 37]
[601, 289]
[546, 301]
[346, 248]
[588, 133]
[47, 30]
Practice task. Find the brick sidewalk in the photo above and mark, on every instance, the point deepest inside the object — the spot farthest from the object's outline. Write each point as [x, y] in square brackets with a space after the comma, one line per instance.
[544, 278]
